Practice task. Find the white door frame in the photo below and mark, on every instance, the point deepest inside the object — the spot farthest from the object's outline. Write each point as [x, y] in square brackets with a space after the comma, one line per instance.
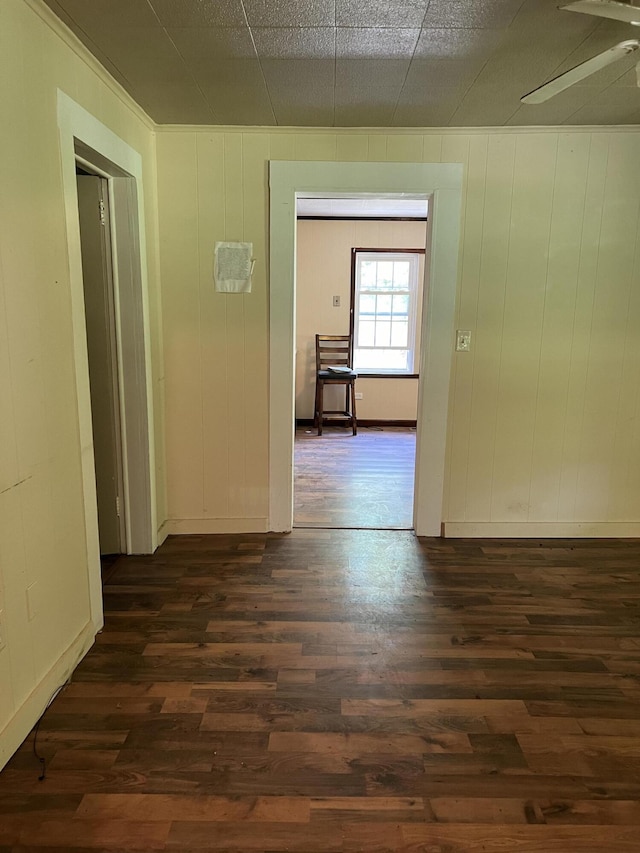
[441, 183]
[82, 136]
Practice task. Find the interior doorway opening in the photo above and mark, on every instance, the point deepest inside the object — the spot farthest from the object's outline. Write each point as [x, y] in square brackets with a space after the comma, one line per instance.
[85, 140]
[116, 337]
[441, 184]
[96, 246]
[360, 271]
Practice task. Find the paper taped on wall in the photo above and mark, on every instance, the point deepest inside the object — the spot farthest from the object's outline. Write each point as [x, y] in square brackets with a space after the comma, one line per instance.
[232, 267]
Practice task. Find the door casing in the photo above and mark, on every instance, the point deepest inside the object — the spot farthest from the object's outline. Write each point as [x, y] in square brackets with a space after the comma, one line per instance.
[441, 184]
[82, 137]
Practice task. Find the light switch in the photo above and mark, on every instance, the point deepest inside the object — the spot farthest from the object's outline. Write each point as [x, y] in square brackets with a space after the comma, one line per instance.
[336, 301]
[463, 341]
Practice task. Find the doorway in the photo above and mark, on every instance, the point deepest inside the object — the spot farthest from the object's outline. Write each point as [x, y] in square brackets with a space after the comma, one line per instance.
[85, 140]
[441, 183]
[102, 353]
[360, 268]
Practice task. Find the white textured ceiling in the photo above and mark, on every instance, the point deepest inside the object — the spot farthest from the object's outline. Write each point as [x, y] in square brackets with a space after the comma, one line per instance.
[386, 63]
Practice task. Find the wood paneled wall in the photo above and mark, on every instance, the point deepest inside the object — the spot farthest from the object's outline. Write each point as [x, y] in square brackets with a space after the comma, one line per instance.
[543, 410]
[42, 523]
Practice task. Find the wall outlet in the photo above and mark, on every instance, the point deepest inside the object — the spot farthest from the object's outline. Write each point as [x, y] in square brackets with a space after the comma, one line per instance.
[358, 395]
[3, 638]
[336, 301]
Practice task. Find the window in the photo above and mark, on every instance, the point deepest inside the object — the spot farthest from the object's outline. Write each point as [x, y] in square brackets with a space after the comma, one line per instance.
[384, 306]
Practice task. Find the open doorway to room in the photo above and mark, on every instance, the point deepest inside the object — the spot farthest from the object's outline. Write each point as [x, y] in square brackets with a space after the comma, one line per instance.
[86, 142]
[96, 242]
[360, 271]
[441, 185]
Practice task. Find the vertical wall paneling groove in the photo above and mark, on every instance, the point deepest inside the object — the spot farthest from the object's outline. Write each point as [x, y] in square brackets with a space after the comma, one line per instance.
[352, 147]
[256, 150]
[377, 148]
[522, 326]
[558, 322]
[432, 149]
[606, 352]
[211, 224]
[474, 157]
[487, 335]
[177, 198]
[581, 330]
[627, 474]
[236, 328]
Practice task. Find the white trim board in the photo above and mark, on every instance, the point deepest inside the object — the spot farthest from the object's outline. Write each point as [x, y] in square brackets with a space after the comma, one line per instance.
[76, 125]
[204, 526]
[541, 529]
[441, 183]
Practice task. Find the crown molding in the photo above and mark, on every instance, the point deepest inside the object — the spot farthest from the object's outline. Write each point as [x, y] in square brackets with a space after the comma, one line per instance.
[398, 131]
[39, 8]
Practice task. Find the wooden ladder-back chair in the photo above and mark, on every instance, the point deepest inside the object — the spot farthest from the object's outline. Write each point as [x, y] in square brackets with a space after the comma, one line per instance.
[334, 367]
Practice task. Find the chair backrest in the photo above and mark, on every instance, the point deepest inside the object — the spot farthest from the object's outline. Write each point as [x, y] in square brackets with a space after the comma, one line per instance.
[333, 350]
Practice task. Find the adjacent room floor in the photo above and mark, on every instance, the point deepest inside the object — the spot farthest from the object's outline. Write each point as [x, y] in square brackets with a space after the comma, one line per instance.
[343, 691]
[361, 481]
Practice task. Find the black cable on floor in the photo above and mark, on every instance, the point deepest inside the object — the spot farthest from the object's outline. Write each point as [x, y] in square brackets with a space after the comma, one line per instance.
[36, 729]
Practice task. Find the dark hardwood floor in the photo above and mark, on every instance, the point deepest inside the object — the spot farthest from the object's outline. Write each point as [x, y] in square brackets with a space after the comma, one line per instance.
[354, 481]
[342, 691]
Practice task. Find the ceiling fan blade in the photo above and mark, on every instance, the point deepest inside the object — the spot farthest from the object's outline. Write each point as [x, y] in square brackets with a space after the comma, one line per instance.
[606, 9]
[563, 81]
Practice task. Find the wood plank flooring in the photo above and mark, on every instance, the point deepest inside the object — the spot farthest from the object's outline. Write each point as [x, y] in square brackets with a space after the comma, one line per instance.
[354, 481]
[342, 691]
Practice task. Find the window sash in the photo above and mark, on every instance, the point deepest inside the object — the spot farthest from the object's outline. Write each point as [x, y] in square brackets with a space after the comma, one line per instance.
[408, 290]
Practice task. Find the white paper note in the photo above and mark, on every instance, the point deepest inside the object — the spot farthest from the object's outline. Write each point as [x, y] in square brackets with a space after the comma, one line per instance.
[232, 267]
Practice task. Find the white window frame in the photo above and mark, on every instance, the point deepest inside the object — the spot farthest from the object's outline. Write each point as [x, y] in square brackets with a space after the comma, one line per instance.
[413, 257]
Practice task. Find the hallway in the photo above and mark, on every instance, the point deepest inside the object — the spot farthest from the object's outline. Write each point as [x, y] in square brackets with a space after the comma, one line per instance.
[343, 691]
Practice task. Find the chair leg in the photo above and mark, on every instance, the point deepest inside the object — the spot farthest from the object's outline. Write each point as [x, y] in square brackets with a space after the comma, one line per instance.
[354, 421]
[320, 405]
[315, 405]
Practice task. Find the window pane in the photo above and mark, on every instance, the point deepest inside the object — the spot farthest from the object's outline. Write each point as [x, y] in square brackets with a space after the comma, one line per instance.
[380, 359]
[385, 275]
[383, 309]
[368, 274]
[366, 332]
[401, 274]
[400, 305]
[399, 334]
[383, 333]
[367, 304]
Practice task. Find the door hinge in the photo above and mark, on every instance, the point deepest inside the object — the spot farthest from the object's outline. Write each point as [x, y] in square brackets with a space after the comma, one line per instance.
[118, 506]
[101, 212]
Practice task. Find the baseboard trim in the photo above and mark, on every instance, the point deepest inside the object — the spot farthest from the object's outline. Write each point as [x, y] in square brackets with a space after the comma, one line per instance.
[27, 715]
[541, 529]
[163, 532]
[363, 422]
[203, 526]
